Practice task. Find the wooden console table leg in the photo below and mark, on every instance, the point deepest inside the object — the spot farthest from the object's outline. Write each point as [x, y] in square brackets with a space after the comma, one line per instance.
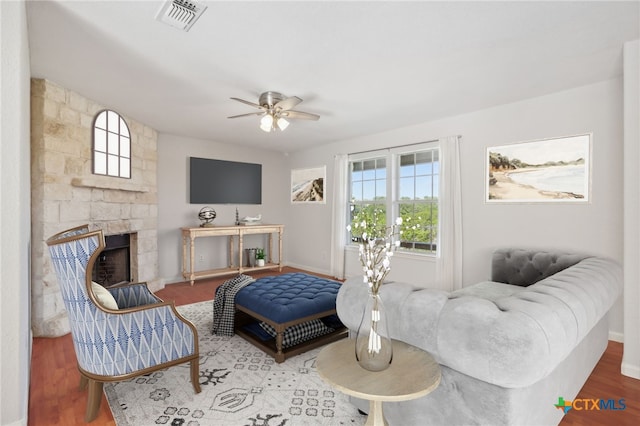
[184, 257]
[192, 259]
[240, 244]
[280, 250]
[270, 258]
[230, 251]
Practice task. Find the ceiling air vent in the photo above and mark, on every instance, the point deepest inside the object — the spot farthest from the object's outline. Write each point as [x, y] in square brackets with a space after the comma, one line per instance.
[180, 14]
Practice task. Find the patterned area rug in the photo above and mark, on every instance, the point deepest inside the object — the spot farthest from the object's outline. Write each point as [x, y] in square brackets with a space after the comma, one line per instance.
[241, 385]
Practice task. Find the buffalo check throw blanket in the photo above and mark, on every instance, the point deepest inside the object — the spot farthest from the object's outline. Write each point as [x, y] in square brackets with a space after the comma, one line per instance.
[224, 304]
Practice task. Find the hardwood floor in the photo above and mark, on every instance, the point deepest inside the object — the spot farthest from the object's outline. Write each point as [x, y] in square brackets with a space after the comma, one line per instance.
[55, 397]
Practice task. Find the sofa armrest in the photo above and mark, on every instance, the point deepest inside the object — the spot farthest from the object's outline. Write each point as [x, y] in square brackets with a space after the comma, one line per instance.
[413, 312]
[525, 267]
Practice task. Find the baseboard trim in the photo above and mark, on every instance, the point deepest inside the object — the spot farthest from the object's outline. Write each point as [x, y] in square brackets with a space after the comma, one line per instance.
[630, 370]
[309, 269]
[616, 336]
[19, 422]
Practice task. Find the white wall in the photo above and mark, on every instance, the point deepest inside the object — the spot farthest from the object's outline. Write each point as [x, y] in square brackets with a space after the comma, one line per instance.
[595, 227]
[15, 351]
[175, 212]
[631, 357]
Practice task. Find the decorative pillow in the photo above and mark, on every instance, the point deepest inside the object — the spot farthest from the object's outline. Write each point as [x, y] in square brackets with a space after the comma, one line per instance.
[300, 332]
[105, 298]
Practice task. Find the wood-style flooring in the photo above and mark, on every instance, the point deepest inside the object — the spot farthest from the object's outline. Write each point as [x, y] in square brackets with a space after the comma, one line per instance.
[55, 397]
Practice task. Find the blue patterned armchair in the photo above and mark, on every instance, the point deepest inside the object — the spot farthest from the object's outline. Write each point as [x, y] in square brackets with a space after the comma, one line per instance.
[142, 334]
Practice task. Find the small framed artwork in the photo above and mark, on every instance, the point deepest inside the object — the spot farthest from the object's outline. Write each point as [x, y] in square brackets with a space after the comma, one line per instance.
[548, 170]
[308, 185]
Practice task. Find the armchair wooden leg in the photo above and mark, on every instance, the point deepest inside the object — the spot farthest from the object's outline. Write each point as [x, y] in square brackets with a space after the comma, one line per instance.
[94, 400]
[83, 382]
[195, 374]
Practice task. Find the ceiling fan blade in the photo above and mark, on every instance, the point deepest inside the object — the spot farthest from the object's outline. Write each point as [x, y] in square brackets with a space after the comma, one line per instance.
[246, 115]
[248, 103]
[287, 104]
[300, 115]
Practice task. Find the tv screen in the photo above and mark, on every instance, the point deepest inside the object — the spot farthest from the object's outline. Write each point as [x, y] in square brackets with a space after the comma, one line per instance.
[224, 182]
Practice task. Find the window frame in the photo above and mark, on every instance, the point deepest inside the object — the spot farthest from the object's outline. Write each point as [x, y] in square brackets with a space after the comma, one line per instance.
[392, 201]
[115, 146]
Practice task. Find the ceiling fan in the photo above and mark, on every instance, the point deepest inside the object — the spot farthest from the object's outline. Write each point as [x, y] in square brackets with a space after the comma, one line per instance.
[276, 109]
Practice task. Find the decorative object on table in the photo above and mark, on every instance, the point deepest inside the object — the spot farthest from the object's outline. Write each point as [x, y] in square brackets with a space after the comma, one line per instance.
[374, 350]
[237, 222]
[549, 170]
[307, 185]
[260, 257]
[206, 215]
[251, 220]
[251, 257]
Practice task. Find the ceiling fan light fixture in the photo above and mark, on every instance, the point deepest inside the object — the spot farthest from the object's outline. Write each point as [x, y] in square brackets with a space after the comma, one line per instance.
[266, 123]
[275, 108]
[282, 123]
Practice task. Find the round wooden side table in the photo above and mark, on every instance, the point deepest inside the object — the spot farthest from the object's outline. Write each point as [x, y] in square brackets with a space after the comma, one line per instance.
[413, 373]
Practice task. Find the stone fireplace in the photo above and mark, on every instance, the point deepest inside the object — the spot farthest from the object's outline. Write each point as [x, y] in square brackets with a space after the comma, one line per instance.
[65, 193]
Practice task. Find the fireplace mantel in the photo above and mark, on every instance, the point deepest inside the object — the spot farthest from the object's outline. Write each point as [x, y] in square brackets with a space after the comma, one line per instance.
[115, 185]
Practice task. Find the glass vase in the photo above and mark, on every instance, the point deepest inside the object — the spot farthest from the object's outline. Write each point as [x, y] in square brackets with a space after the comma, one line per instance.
[374, 350]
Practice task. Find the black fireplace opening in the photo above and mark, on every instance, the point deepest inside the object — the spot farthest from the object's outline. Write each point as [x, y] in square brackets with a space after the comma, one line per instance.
[113, 265]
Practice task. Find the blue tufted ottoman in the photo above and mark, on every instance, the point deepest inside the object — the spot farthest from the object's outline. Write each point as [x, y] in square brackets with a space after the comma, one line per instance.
[285, 301]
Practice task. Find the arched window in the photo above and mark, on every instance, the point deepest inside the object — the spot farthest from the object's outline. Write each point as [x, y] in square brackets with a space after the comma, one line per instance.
[111, 145]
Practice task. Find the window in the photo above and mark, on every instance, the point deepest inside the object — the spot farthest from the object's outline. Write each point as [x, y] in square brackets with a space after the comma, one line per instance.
[369, 191]
[404, 182]
[111, 145]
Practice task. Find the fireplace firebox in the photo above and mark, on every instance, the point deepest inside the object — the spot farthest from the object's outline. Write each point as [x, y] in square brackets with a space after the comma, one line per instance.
[113, 265]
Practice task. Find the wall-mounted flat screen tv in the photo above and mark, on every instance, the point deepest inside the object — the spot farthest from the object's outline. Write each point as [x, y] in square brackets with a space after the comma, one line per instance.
[224, 182]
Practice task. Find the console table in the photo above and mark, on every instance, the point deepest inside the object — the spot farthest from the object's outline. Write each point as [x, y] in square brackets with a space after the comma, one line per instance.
[189, 236]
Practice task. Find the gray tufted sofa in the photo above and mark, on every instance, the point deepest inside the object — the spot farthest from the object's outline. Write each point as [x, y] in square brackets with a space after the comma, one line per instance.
[509, 347]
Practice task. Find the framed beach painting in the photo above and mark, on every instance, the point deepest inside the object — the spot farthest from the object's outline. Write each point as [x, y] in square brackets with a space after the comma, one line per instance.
[308, 185]
[548, 170]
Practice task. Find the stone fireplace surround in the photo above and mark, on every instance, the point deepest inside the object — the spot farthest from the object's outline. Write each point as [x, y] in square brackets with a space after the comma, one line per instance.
[65, 193]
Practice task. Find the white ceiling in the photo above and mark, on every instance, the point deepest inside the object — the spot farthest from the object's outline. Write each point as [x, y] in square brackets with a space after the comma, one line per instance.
[364, 66]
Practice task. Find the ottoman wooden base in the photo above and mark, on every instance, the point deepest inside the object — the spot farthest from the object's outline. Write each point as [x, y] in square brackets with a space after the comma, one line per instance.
[274, 347]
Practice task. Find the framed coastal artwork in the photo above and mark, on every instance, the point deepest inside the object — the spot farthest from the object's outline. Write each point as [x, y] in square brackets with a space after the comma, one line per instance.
[308, 185]
[549, 170]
